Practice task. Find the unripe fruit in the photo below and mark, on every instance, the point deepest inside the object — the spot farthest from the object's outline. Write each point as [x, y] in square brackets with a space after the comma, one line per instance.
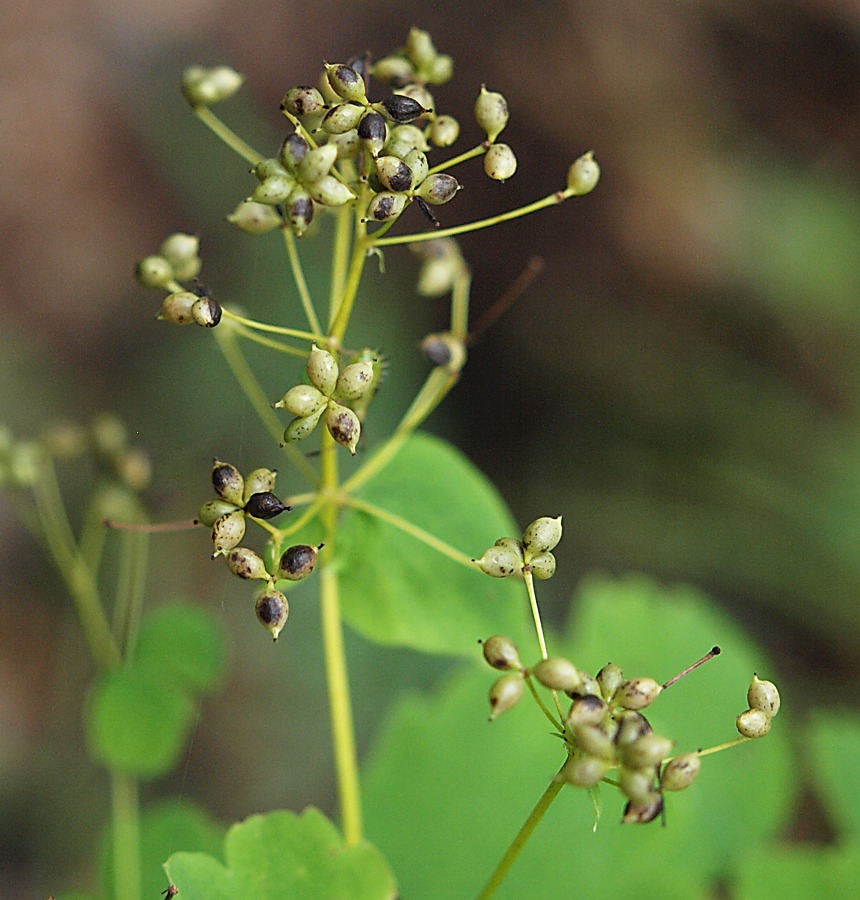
[631, 727]
[228, 531]
[259, 480]
[419, 47]
[583, 771]
[393, 173]
[244, 563]
[273, 189]
[499, 562]
[293, 151]
[491, 113]
[543, 566]
[373, 132]
[500, 163]
[440, 69]
[154, 272]
[641, 813]
[202, 87]
[385, 206]
[588, 710]
[206, 312]
[610, 678]
[181, 251]
[302, 426]
[763, 695]
[211, 511]
[402, 109]
[303, 101]
[754, 723]
[448, 351]
[404, 138]
[680, 772]
[176, 308]
[394, 70]
[297, 562]
[594, 741]
[228, 482]
[438, 189]
[265, 505]
[504, 694]
[301, 400]
[343, 425]
[299, 209]
[583, 175]
[588, 686]
[254, 218]
[354, 381]
[322, 370]
[328, 190]
[348, 144]
[418, 165]
[315, 164]
[646, 751]
[542, 535]
[272, 610]
[346, 83]
[501, 653]
[638, 693]
[444, 131]
[557, 674]
[637, 784]
[342, 118]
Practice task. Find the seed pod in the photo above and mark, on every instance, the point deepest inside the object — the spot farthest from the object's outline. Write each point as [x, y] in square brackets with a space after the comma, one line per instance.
[272, 190]
[588, 710]
[754, 723]
[206, 312]
[763, 695]
[211, 511]
[637, 784]
[228, 482]
[265, 505]
[557, 674]
[272, 610]
[419, 94]
[342, 118]
[254, 218]
[403, 138]
[244, 563]
[348, 144]
[646, 751]
[644, 812]
[588, 686]
[301, 400]
[354, 381]
[394, 70]
[154, 272]
[343, 425]
[500, 163]
[322, 370]
[401, 109]
[302, 426]
[438, 189]
[610, 678]
[182, 252]
[297, 562]
[491, 113]
[303, 100]
[176, 308]
[315, 164]
[386, 205]
[393, 173]
[419, 47]
[637, 693]
[504, 694]
[680, 772]
[593, 740]
[418, 165]
[501, 653]
[293, 151]
[440, 69]
[583, 175]
[259, 480]
[228, 531]
[542, 535]
[300, 210]
[543, 566]
[346, 83]
[499, 562]
[631, 727]
[202, 87]
[438, 275]
[265, 168]
[328, 190]
[583, 771]
[444, 131]
[448, 351]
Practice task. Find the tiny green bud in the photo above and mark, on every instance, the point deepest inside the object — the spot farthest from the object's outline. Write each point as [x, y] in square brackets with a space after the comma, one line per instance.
[395, 70]
[228, 482]
[302, 426]
[254, 218]
[557, 674]
[385, 206]
[176, 308]
[301, 400]
[610, 678]
[202, 87]
[440, 69]
[212, 510]
[444, 131]
[317, 163]
[500, 163]
[543, 566]
[763, 695]
[228, 531]
[583, 175]
[646, 751]
[438, 189]
[265, 505]
[680, 772]
[206, 311]
[346, 83]
[154, 272]
[542, 535]
[257, 481]
[297, 562]
[754, 723]
[419, 47]
[583, 771]
[354, 381]
[637, 693]
[322, 370]
[491, 113]
[343, 425]
[272, 610]
[244, 563]
[303, 100]
[342, 118]
[504, 694]
[501, 653]
[181, 251]
[499, 562]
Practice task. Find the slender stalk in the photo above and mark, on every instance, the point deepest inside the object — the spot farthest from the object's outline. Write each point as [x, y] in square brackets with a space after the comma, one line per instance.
[227, 135]
[543, 707]
[126, 836]
[340, 255]
[720, 747]
[520, 840]
[300, 281]
[530, 587]
[272, 329]
[479, 150]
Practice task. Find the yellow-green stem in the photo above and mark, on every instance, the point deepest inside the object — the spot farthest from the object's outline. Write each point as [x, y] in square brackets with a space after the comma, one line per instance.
[227, 135]
[126, 836]
[300, 281]
[520, 840]
[528, 578]
[543, 707]
[272, 329]
[479, 150]
[340, 317]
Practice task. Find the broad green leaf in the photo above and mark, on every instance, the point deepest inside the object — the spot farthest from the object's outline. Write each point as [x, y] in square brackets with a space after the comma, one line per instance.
[165, 828]
[135, 724]
[834, 746]
[284, 856]
[798, 872]
[446, 792]
[182, 647]
[396, 589]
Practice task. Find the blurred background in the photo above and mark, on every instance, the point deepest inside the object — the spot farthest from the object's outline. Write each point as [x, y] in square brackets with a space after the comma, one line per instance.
[681, 382]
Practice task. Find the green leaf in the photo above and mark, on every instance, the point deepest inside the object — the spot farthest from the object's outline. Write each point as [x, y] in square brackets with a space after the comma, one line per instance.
[446, 792]
[834, 746]
[284, 856]
[799, 872]
[165, 828]
[182, 647]
[135, 724]
[396, 589]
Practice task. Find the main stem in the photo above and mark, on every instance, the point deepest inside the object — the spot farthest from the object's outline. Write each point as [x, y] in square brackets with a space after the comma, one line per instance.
[126, 836]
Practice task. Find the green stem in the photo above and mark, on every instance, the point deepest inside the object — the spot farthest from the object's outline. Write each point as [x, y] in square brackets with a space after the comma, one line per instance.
[272, 329]
[479, 150]
[543, 203]
[337, 680]
[340, 318]
[300, 281]
[530, 587]
[227, 135]
[126, 837]
[543, 707]
[720, 747]
[520, 840]
[131, 586]
[340, 255]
